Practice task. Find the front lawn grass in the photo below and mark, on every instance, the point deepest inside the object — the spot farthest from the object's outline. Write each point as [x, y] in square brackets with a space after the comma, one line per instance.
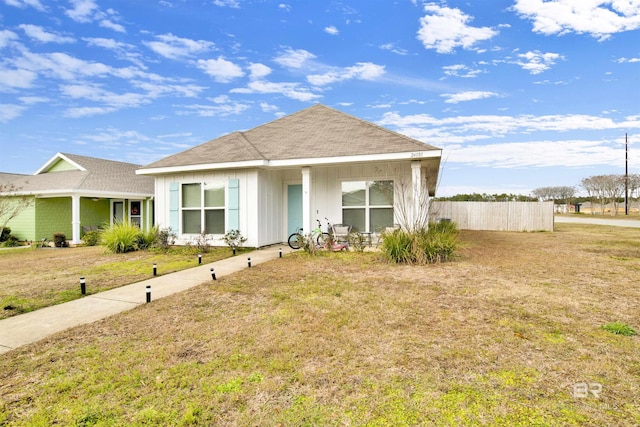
[37, 278]
[508, 335]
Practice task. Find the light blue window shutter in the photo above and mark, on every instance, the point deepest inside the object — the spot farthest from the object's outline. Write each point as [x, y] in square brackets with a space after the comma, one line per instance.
[233, 210]
[174, 207]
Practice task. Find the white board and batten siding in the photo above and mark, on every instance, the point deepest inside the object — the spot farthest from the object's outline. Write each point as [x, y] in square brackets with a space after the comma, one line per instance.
[499, 216]
[164, 195]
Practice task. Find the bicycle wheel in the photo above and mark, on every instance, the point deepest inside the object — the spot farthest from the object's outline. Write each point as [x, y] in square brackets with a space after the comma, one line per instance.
[295, 241]
[322, 239]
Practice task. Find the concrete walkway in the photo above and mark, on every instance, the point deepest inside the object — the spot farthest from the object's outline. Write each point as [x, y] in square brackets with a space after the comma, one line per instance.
[33, 326]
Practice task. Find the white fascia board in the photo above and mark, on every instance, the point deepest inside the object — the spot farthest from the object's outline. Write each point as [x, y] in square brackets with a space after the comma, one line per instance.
[413, 155]
[82, 193]
[206, 166]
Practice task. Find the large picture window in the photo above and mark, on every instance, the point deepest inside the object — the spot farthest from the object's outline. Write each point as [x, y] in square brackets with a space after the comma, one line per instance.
[203, 209]
[367, 205]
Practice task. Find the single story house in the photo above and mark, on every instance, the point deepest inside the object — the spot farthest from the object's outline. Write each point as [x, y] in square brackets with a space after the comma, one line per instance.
[71, 192]
[283, 175]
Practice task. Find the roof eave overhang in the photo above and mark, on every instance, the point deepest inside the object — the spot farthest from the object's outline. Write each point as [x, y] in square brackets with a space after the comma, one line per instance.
[81, 193]
[311, 161]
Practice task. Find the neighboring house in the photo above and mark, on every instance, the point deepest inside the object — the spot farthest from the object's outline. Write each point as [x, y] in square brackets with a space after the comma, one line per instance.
[314, 164]
[71, 192]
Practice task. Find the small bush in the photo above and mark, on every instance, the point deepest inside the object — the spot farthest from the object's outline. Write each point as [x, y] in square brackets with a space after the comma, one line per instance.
[165, 239]
[59, 240]
[436, 244]
[357, 241]
[147, 239]
[619, 328]
[10, 242]
[121, 237]
[234, 239]
[91, 238]
[4, 235]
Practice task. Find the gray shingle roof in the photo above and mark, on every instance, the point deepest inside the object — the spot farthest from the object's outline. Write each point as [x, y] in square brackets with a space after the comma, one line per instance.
[100, 176]
[317, 131]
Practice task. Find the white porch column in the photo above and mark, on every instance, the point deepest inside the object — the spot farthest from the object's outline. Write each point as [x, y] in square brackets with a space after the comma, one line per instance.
[306, 200]
[417, 187]
[75, 219]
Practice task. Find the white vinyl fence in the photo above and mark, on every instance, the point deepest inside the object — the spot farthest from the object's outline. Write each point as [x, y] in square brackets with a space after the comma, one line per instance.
[502, 216]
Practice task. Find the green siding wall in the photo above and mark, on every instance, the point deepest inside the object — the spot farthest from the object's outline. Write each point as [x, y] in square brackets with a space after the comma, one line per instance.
[53, 216]
[60, 166]
[93, 213]
[23, 226]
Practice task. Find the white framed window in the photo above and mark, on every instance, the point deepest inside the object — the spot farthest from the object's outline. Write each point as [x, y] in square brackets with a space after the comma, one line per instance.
[202, 206]
[135, 212]
[367, 205]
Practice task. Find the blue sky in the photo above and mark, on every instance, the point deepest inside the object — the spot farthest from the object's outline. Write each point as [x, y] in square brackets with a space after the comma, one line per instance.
[519, 94]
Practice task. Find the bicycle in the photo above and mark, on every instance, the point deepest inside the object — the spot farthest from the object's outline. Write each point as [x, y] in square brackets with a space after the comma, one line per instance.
[296, 240]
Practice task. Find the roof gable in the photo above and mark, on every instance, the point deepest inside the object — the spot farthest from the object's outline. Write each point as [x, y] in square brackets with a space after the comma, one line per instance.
[315, 132]
[72, 173]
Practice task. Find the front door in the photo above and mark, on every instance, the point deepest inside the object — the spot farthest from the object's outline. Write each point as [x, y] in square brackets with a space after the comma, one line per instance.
[294, 208]
[118, 212]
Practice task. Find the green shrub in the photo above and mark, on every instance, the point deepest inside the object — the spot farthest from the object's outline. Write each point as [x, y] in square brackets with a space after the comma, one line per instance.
[147, 239]
[357, 241]
[121, 237]
[10, 242]
[436, 244]
[619, 328]
[91, 238]
[4, 234]
[165, 239]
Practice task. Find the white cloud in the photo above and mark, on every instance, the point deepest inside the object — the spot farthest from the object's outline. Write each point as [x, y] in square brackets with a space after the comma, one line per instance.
[61, 65]
[26, 3]
[217, 110]
[220, 69]
[285, 7]
[107, 23]
[392, 48]
[291, 58]
[9, 112]
[83, 10]
[290, 90]
[459, 129]
[227, 3]
[258, 71]
[32, 100]
[627, 60]
[599, 18]
[331, 30]
[6, 37]
[78, 112]
[122, 50]
[93, 92]
[444, 29]
[268, 108]
[174, 47]
[360, 71]
[38, 33]
[20, 79]
[454, 98]
[461, 70]
[537, 62]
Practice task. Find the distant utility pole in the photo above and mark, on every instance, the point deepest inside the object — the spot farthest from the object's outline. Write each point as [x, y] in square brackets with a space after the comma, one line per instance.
[626, 175]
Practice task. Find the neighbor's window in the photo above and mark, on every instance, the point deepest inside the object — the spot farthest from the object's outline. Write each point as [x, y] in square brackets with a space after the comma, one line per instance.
[367, 205]
[203, 209]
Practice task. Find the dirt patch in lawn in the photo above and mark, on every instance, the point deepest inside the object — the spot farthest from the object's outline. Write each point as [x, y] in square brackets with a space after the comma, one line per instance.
[509, 334]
